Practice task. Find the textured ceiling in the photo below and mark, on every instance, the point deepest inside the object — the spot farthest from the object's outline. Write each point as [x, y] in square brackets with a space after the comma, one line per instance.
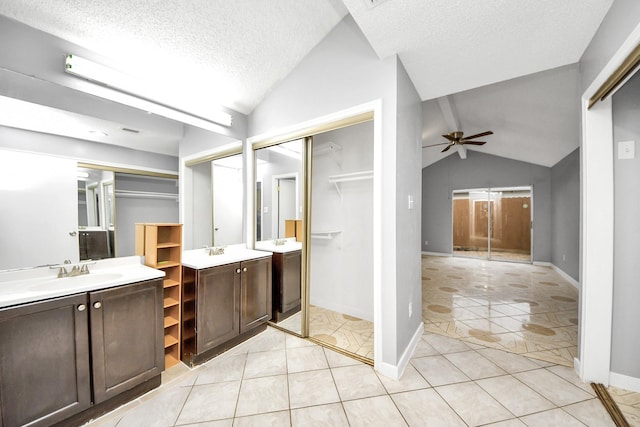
[228, 53]
[448, 46]
[233, 53]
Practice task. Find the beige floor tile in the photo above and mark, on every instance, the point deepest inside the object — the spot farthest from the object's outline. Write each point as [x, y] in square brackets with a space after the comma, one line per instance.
[628, 402]
[473, 404]
[357, 382]
[270, 339]
[445, 344]
[312, 388]
[291, 341]
[437, 370]
[217, 423]
[591, 412]
[410, 380]
[210, 402]
[424, 349]
[553, 417]
[373, 412]
[261, 395]
[306, 359]
[319, 416]
[426, 407]
[474, 365]
[514, 395]
[337, 360]
[509, 362]
[222, 368]
[508, 423]
[569, 374]
[265, 364]
[552, 387]
[162, 410]
[281, 418]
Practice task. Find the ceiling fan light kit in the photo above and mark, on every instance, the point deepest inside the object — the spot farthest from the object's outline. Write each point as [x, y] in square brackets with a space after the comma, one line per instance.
[457, 138]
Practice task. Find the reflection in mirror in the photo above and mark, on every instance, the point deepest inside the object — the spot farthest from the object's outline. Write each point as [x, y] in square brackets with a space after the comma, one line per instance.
[95, 214]
[278, 201]
[216, 202]
[278, 190]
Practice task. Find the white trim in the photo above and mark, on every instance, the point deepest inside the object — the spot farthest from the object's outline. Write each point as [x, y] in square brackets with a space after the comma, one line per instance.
[576, 365]
[375, 106]
[565, 276]
[596, 220]
[436, 254]
[395, 372]
[542, 263]
[625, 382]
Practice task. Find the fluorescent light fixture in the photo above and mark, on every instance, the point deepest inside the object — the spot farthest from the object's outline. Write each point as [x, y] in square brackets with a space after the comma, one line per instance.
[144, 97]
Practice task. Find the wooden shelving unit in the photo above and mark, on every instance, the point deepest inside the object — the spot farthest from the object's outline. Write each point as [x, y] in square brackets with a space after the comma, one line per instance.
[161, 246]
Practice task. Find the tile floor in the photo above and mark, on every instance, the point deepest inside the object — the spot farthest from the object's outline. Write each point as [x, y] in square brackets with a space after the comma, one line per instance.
[341, 330]
[521, 308]
[277, 379]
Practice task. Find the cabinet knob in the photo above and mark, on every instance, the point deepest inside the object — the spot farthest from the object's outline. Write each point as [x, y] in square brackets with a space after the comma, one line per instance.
[97, 304]
[82, 307]
[238, 270]
[244, 269]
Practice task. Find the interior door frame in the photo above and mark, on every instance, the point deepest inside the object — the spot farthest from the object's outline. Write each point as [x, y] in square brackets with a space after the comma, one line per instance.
[275, 210]
[488, 191]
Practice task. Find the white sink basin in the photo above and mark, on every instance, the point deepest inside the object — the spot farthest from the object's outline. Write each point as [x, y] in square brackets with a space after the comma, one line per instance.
[64, 283]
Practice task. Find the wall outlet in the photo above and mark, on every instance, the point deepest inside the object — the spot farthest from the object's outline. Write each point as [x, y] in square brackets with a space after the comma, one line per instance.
[410, 308]
[410, 202]
[564, 257]
[426, 243]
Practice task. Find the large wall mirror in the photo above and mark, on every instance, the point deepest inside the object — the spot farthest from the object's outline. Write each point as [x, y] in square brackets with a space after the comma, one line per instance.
[278, 226]
[214, 200]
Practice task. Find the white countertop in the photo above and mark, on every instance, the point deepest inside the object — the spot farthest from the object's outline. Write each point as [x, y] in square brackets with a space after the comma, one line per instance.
[35, 284]
[200, 258]
[290, 245]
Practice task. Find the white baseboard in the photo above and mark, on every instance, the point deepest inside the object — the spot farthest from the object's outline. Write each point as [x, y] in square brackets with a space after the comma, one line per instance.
[542, 263]
[565, 276]
[625, 382]
[576, 366]
[396, 372]
[435, 254]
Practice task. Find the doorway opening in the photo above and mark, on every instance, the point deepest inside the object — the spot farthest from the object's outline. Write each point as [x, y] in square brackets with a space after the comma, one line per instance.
[493, 223]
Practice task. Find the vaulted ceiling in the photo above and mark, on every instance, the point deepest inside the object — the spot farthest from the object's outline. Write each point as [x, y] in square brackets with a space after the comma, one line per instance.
[235, 52]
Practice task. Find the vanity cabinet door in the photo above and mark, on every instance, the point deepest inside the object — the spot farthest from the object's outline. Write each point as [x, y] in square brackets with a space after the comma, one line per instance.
[127, 339]
[44, 361]
[255, 306]
[218, 297]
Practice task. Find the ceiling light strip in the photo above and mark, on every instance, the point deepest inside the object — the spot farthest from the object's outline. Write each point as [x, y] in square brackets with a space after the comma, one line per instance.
[619, 76]
[114, 79]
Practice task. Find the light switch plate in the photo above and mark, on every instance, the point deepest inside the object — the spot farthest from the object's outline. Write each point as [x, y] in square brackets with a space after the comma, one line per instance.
[626, 149]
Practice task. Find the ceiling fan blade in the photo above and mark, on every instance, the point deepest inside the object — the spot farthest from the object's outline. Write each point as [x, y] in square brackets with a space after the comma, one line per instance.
[477, 135]
[449, 137]
[434, 145]
[474, 142]
[447, 147]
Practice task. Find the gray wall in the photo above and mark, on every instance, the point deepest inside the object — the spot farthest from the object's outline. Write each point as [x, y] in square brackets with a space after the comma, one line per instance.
[481, 170]
[409, 184]
[625, 345]
[621, 19]
[565, 214]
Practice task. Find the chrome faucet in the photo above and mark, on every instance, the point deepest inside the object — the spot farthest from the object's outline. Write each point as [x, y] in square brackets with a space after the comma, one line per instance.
[215, 250]
[76, 270]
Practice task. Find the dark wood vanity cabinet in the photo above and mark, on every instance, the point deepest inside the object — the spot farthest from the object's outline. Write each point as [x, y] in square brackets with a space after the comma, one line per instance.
[221, 304]
[66, 355]
[44, 361]
[287, 281]
[127, 338]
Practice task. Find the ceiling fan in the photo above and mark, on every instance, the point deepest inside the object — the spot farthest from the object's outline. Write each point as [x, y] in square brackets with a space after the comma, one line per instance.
[455, 138]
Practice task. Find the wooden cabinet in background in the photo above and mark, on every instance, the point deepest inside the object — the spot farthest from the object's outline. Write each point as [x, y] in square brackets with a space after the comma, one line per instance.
[67, 355]
[161, 245]
[223, 303]
[287, 281]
